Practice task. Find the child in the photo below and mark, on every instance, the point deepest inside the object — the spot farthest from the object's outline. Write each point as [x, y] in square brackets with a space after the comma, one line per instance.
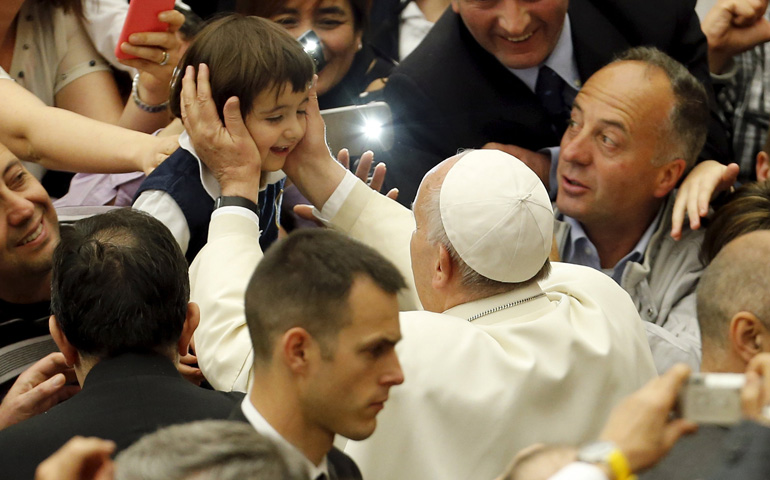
[261, 64]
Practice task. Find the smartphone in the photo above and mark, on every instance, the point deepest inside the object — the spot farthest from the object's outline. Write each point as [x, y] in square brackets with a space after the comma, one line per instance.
[712, 398]
[359, 128]
[142, 17]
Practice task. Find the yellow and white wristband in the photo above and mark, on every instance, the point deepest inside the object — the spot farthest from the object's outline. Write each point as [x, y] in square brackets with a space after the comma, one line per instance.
[609, 455]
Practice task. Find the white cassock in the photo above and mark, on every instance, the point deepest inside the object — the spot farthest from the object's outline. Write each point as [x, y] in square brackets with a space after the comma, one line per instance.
[548, 369]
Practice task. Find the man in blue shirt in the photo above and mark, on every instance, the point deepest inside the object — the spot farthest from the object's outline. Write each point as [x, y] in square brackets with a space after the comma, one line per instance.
[635, 127]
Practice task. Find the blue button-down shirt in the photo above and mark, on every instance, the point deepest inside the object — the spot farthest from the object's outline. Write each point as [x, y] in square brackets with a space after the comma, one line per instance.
[581, 251]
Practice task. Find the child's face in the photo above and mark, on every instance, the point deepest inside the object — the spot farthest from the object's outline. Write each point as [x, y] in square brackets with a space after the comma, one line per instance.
[277, 124]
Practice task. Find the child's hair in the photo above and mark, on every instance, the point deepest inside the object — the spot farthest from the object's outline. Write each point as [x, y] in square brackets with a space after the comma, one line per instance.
[246, 56]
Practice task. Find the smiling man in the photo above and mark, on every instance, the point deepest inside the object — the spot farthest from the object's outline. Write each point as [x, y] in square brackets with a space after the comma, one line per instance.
[29, 232]
[506, 72]
[635, 127]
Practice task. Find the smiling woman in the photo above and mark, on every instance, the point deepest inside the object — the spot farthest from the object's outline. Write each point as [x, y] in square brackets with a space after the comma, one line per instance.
[340, 25]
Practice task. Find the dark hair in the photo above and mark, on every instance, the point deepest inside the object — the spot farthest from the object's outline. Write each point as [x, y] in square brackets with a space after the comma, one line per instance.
[304, 281]
[246, 56]
[747, 209]
[192, 23]
[268, 8]
[689, 119]
[69, 6]
[119, 284]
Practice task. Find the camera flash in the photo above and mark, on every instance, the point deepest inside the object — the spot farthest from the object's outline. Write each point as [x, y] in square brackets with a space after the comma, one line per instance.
[372, 129]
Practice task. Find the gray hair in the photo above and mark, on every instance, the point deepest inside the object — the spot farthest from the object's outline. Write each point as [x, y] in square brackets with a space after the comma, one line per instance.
[472, 280]
[204, 450]
[689, 118]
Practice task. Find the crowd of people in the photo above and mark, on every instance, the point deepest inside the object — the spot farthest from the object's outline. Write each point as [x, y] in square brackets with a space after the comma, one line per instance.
[577, 223]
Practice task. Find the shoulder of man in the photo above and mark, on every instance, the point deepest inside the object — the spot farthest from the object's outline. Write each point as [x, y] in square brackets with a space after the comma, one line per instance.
[342, 467]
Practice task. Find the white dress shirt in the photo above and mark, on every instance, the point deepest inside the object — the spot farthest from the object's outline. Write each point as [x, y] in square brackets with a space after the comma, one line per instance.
[299, 464]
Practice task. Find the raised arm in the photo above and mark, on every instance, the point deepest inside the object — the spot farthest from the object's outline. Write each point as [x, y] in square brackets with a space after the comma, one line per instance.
[63, 140]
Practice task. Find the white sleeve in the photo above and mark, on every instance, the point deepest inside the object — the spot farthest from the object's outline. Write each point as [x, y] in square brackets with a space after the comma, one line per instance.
[219, 276]
[337, 198]
[162, 206]
[104, 22]
[3, 74]
[579, 471]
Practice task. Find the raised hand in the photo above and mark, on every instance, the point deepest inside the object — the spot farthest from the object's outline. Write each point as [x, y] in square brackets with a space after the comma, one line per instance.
[37, 389]
[227, 150]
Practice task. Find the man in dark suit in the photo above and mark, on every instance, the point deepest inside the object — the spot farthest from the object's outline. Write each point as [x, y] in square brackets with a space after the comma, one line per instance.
[477, 78]
[121, 317]
[322, 313]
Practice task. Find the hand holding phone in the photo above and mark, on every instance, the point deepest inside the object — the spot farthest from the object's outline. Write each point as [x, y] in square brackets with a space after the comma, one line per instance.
[142, 17]
[359, 127]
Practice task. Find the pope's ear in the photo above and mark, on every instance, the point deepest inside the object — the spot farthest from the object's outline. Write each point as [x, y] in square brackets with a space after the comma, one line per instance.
[444, 268]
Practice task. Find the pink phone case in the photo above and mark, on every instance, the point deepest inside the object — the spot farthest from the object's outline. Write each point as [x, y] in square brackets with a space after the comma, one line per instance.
[142, 17]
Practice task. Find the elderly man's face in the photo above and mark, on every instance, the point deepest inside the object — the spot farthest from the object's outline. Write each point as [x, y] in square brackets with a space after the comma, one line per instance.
[29, 230]
[606, 172]
[519, 33]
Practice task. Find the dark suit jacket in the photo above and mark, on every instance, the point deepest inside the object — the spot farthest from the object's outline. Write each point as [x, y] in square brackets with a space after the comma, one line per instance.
[717, 453]
[450, 93]
[695, 456]
[123, 398]
[341, 467]
[384, 26]
[745, 454]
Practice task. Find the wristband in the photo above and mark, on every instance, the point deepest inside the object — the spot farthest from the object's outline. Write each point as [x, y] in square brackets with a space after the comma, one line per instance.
[608, 454]
[139, 103]
[236, 202]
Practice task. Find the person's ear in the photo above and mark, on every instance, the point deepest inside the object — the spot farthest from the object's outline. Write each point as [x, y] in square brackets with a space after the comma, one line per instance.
[297, 349]
[71, 355]
[763, 166]
[746, 335]
[668, 176]
[191, 321]
[443, 268]
[455, 6]
[359, 39]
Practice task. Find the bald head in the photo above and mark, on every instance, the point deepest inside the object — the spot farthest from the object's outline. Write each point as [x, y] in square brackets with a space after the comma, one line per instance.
[737, 280]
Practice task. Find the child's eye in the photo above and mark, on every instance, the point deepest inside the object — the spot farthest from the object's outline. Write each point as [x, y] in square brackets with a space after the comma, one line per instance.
[301, 112]
[275, 119]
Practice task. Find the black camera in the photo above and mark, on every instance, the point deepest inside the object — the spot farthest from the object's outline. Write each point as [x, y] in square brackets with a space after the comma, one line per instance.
[311, 43]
